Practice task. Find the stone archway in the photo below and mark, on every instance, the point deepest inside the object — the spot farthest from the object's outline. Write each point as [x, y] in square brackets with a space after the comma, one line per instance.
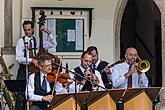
[117, 24]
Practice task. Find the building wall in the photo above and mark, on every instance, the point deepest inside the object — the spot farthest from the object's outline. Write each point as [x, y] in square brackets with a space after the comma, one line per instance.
[2, 23]
[105, 25]
[102, 22]
[102, 34]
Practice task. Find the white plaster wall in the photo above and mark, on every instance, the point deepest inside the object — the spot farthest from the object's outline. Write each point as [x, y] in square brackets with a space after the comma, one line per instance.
[102, 33]
[102, 28]
[26, 11]
[1, 23]
[17, 16]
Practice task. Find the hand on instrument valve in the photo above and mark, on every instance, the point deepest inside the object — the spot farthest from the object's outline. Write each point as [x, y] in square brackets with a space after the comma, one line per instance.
[47, 98]
[87, 74]
[133, 69]
[107, 70]
[91, 76]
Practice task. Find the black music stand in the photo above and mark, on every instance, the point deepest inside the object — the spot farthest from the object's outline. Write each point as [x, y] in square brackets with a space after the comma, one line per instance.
[15, 85]
[18, 86]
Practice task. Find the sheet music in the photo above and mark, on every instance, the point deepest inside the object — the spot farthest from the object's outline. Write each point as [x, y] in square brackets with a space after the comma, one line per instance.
[79, 35]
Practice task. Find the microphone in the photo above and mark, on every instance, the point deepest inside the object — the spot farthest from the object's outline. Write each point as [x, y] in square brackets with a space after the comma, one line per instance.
[117, 62]
[120, 102]
[58, 65]
[113, 64]
[26, 40]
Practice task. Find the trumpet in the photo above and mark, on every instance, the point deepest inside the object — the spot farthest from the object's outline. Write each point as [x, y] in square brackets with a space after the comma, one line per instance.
[95, 82]
[92, 78]
[143, 65]
[95, 79]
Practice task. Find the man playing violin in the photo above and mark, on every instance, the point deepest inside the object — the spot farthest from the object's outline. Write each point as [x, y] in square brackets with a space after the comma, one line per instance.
[39, 89]
[85, 70]
[126, 75]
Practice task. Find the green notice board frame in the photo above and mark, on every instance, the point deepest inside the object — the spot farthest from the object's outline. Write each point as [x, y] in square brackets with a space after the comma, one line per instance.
[66, 27]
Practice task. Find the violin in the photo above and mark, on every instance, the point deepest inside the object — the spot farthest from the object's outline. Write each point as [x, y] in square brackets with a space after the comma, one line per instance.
[56, 75]
[62, 77]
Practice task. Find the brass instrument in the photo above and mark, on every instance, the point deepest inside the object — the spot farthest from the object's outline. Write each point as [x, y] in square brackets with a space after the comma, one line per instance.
[95, 84]
[143, 65]
[9, 97]
[95, 81]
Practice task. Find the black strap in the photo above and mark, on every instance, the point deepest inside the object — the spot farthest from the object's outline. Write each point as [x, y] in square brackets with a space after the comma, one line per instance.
[78, 71]
[32, 48]
[34, 45]
[87, 86]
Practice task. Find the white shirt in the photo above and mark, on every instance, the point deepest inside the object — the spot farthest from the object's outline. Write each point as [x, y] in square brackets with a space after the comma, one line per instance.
[119, 80]
[79, 86]
[48, 42]
[20, 48]
[33, 97]
[97, 63]
[31, 88]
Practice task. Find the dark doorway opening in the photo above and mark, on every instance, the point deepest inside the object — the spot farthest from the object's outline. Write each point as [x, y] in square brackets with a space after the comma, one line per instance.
[141, 28]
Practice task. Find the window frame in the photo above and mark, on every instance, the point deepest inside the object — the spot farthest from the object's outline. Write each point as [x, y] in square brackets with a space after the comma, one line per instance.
[82, 13]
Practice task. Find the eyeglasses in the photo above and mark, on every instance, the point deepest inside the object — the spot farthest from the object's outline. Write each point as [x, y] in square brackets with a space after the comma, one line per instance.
[47, 66]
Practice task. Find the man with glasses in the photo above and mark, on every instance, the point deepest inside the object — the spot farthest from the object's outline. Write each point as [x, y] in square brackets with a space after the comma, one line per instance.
[39, 89]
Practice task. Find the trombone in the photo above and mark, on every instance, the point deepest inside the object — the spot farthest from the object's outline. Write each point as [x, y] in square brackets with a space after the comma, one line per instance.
[143, 65]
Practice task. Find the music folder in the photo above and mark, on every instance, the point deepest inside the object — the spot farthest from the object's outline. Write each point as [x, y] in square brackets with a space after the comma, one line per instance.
[15, 85]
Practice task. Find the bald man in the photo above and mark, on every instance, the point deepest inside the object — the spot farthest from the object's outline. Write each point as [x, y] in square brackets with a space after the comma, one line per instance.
[125, 75]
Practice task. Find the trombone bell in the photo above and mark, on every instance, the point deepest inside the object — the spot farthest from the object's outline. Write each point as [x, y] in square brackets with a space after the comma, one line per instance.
[143, 65]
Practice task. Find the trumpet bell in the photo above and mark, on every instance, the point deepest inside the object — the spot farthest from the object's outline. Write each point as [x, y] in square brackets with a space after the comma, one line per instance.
[143, 65]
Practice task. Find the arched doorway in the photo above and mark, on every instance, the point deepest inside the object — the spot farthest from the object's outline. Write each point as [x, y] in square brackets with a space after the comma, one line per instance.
[141, 28]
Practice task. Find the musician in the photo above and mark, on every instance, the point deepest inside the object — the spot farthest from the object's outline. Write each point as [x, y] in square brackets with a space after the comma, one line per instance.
[85, 70]
[101, 66]
[126, 75]
[33, 44]
[49, 42]
[40, 95]
[38, 87]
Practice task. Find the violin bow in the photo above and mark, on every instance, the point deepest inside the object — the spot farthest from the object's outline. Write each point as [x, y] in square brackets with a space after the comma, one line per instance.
[58, 72]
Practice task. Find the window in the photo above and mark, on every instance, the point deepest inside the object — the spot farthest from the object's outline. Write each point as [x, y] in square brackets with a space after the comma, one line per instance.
[72, 27]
